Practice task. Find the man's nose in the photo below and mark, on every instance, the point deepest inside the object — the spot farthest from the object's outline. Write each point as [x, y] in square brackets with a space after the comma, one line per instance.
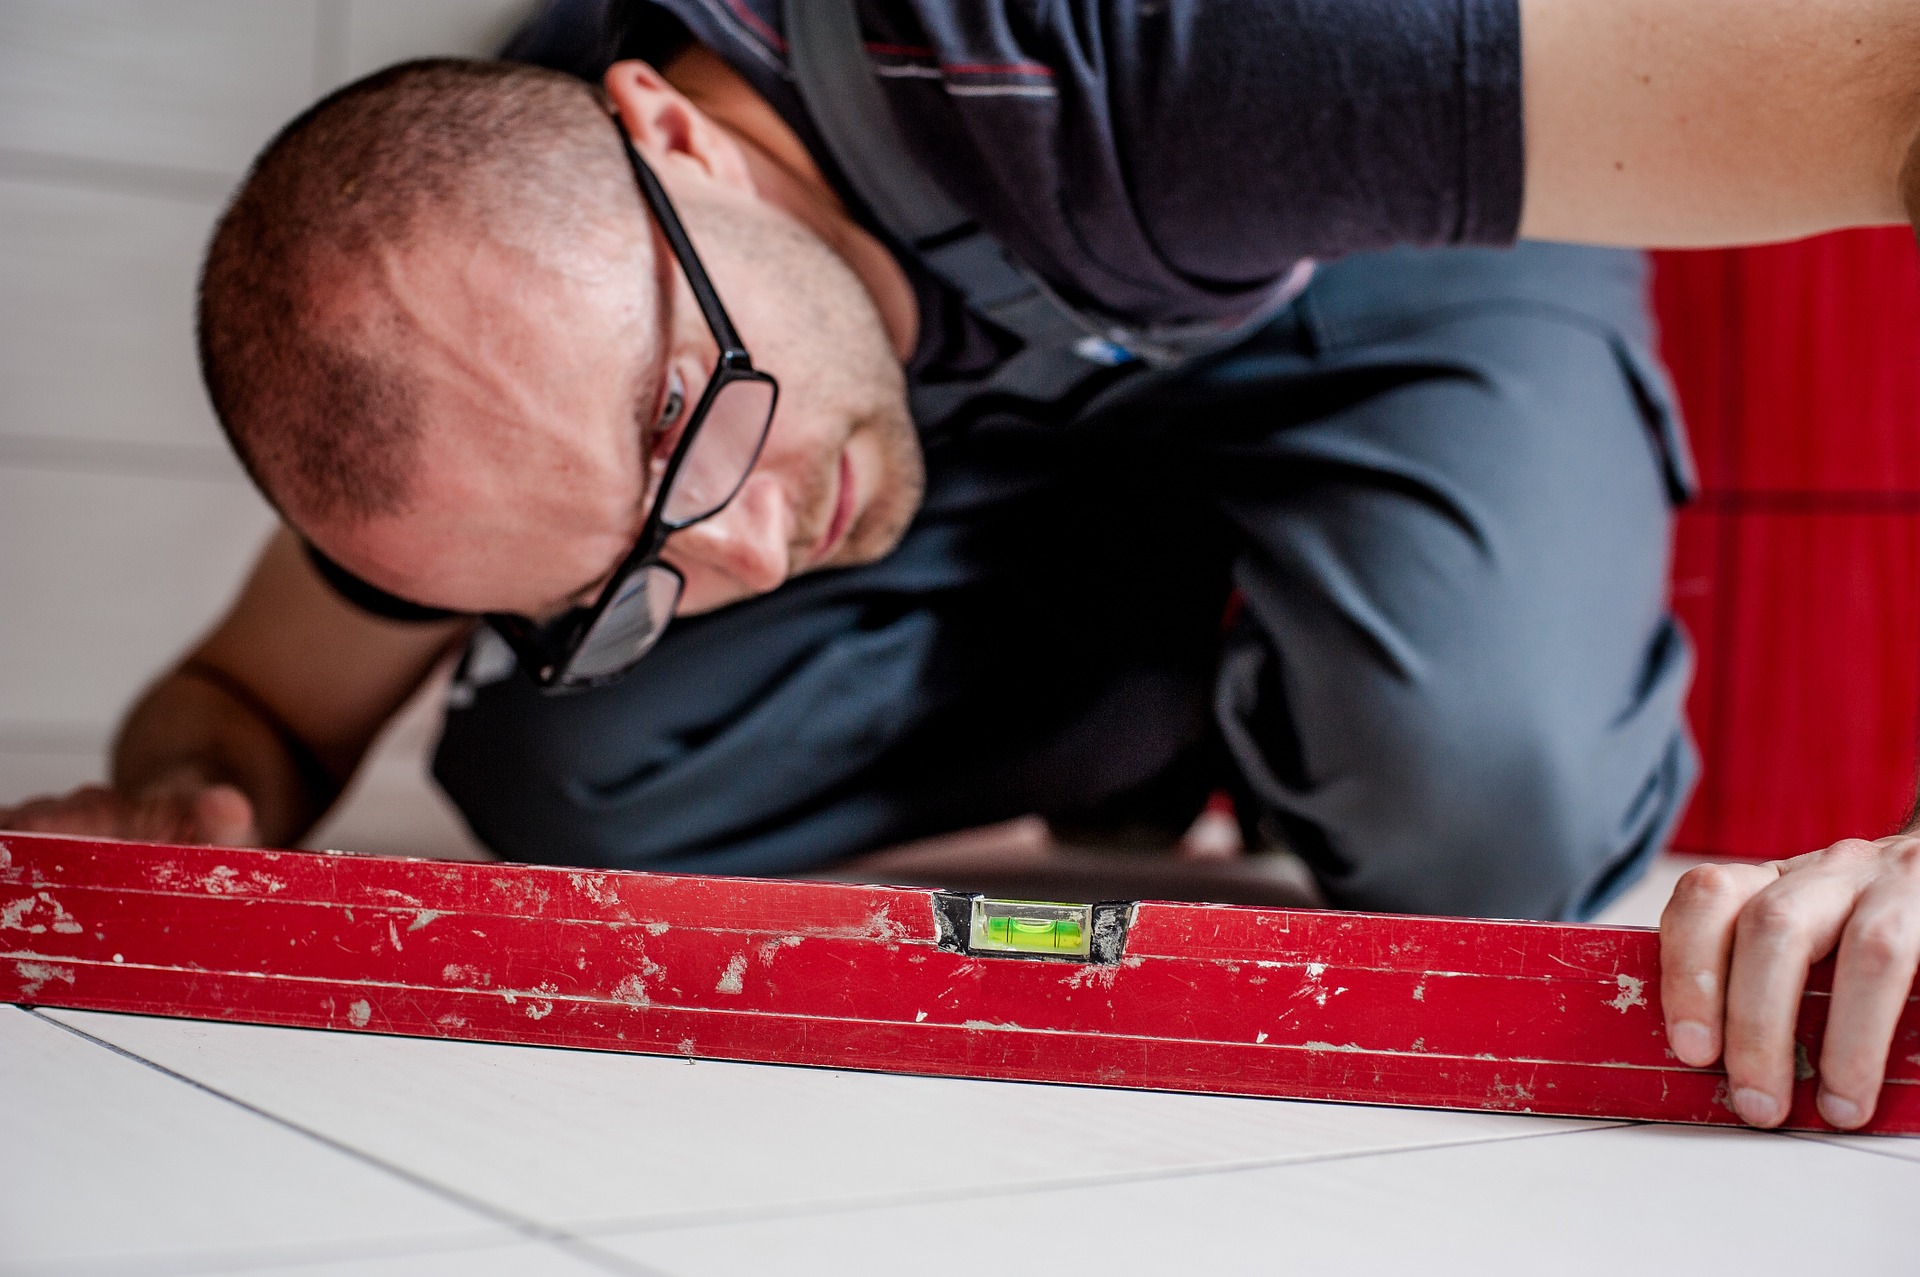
[749, 541]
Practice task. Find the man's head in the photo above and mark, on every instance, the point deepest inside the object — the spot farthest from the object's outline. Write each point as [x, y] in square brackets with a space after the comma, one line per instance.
[439, 324]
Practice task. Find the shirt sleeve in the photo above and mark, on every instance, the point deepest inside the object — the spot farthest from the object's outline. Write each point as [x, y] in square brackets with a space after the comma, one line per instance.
[1258, 132]
[1174, 159]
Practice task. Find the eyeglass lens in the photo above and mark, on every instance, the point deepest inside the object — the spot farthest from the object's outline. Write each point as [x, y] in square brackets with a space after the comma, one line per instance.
[718, 460]
[722, 453]
[631, 624]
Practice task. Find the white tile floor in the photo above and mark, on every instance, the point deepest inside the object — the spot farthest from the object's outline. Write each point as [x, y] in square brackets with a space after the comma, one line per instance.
[145, 1146]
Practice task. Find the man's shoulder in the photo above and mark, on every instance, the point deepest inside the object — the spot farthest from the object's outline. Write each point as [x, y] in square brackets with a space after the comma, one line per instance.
[1017, 111]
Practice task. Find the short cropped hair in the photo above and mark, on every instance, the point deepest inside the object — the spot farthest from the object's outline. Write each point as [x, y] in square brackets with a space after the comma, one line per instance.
[322, 412]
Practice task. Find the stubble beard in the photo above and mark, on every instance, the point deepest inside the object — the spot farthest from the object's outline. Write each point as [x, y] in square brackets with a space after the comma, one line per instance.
[851, 365]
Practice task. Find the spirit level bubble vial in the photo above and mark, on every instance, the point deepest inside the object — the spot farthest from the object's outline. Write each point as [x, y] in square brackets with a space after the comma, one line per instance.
[1019, 926]
[1048, 930]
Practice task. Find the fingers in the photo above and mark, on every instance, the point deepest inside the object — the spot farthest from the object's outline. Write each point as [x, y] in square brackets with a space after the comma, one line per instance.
[1783, 930]
[87, 810]
[1872, 978]
[222, 814]
[1696, 945]
[217, 814]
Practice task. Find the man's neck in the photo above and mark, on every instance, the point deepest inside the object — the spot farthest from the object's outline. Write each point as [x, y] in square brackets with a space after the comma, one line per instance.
[785, 175]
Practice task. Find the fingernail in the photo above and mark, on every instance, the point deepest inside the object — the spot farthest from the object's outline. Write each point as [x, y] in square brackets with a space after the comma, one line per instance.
[1838, 1112]
[1692, 1041]
[1756, 1107]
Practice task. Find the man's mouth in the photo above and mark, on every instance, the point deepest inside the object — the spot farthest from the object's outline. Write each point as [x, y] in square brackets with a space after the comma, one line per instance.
[842, 515]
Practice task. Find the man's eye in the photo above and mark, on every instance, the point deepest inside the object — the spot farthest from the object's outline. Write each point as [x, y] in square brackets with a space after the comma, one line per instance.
[676, 401]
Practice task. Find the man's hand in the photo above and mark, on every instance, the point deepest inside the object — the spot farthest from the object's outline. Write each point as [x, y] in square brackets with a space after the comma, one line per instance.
[184, 812]
[252, 735]
[1735, 945]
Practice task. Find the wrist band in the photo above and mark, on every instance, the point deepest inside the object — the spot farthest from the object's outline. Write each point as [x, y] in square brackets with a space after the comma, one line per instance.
[320, 783]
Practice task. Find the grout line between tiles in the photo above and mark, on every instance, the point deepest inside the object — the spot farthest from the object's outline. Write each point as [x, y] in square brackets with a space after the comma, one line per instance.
[532, 1229]
[332, 44]
[190, 1263]
[1815, 1137]
[118, 177]
[925, 1197]
[202, 462]
[28, 736]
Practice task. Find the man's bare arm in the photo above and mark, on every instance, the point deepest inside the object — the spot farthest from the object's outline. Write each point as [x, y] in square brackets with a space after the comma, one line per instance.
[1702, 122]
[1695, 122]
[254, 733]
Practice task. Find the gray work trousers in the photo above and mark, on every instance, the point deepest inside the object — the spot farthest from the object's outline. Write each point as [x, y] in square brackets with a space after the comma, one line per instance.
[1392, 572]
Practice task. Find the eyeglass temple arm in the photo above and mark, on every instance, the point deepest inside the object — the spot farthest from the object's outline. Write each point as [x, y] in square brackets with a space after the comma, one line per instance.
[663, 212]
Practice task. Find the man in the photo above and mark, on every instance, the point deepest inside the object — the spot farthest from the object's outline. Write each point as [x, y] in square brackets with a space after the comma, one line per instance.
[456, 331]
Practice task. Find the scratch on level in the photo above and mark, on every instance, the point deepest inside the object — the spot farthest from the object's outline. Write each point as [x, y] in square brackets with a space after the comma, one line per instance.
[422, 918]
[452, 1020]
[225, 880]
[881, 925]
[35, 976]
[656, 928]
[1091, 976]
[358, 1013]
[595, 888]
[1510, 1092]
[772, 948]
[1632, 993]
[1333, 1046]
[14, 917]
[526, 896]
[733, 979]
[393, 934]
[1313, 988]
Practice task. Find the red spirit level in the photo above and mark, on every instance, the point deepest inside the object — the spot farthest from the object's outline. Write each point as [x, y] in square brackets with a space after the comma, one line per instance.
[1441, 1012]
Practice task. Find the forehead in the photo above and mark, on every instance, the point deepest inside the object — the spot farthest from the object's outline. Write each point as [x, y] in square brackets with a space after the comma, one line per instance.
[530, 365]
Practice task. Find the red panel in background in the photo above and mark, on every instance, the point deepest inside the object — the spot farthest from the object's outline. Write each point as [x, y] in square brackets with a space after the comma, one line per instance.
[1798, 570]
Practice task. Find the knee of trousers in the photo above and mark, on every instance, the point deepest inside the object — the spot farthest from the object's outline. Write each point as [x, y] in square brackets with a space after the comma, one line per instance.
[1463, 800]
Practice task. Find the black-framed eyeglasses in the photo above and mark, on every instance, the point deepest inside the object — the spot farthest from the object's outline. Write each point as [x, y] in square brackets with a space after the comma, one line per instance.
[710, 460]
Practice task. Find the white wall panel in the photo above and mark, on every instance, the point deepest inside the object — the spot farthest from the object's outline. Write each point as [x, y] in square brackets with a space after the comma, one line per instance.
[96, 335]
[195, 84]
[380, 32]
[104, 578]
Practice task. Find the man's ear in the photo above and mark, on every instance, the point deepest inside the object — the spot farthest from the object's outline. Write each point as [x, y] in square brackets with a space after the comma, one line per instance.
[674, 136]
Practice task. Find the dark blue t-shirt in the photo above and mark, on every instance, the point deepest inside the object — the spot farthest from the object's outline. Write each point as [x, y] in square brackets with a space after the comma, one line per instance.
[1167, 161]
[1161, 161]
